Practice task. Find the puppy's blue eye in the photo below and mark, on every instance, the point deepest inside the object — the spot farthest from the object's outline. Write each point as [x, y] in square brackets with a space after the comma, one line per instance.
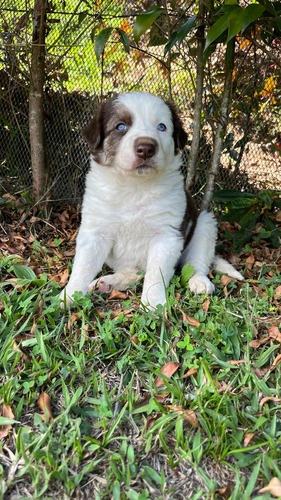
[162, 127]
[121, 126]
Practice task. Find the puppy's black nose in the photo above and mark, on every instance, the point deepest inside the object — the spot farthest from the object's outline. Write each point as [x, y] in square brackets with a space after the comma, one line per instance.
[145, 150]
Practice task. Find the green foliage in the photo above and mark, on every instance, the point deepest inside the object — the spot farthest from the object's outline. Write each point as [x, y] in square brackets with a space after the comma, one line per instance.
[179, 35]
[247, 210]
[144, 21]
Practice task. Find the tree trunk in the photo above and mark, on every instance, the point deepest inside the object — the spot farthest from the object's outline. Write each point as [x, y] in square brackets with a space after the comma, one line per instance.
[36, 110]
[221, 127]
[195, 145]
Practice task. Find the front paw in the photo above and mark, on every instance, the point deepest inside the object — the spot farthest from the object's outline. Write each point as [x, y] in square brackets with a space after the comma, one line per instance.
[201, 284]
[101, 285]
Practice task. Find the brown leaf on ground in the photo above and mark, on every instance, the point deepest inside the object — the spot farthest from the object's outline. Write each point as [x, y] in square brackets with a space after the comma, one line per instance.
[191, 321]
[273, 487]
[150, 421]
[168, 370]
[145, 400]
[116, 294]
[206, 305]
[248, 438]
[276, 362]
[235, 362]
[277, 293]
[258, 342]
[274, 333]
[16, 348]
[250, 261]
[191, 371]
[223, 492]
[6, 411]
[74, 316]
[44, 403]
[188, 415]
[269, 398]
[63, 277]
[225, 279]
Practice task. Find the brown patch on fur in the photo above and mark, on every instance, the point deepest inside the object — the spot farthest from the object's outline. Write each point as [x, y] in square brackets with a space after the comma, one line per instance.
[101, 133]
[190, 219]
[179, 134]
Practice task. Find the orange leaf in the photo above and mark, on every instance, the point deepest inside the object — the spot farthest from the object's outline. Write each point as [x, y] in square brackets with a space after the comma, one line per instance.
[168, 370]
[248, 438]
[44, 403]
[16, 348]
[276, 362]
[235, 362]
[188, 415]
[116, 294]
[250, 261]
[150, 421]
[225, 279]
[206, 305]
[277, 291]
[258, 342]
[6, 412]
[191, 321]
[274, 333]
[274, 487]
[191, 371]
[269, 398]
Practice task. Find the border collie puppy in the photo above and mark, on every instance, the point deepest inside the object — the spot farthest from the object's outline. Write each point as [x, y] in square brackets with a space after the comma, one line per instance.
[136, 214]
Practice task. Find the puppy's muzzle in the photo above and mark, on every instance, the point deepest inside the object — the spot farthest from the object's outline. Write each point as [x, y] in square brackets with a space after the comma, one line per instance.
[145, 148]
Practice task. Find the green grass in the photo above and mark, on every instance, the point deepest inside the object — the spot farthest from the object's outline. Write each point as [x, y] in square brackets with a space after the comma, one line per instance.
[114, 433]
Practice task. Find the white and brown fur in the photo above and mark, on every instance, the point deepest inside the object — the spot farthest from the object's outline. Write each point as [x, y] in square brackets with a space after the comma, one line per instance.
[136, 215]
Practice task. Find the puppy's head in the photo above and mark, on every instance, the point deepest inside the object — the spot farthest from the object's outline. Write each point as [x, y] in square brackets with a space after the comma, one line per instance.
[136, 133]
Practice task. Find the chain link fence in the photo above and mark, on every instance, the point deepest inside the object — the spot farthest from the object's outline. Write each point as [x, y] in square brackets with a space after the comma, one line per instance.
[76, 82]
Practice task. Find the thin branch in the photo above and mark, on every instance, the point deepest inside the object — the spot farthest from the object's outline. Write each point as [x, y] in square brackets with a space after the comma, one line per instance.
[222, 124]
[195, 145]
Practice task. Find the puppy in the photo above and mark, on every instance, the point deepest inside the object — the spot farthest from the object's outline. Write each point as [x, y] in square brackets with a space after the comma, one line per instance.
[136, 215]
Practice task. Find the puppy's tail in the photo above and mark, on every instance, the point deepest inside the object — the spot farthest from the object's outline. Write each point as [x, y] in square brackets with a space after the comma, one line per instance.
[222, 266]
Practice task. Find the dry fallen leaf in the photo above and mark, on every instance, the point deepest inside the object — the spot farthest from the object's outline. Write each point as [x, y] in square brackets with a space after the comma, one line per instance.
[188, 415]
[191, 371]
[274, 333]
[235, 362]
[276, 362]
[250, 261]
[16, 348]
[277, 293]
[6, 412]
[150, 421]
[248, 438]
[206, 305]
[269, 398]
[168, 370]
[191, 321]
[223, 492]
[274, 487]
[44, 403]
[225, 279]
[116, 294]
[258, 342]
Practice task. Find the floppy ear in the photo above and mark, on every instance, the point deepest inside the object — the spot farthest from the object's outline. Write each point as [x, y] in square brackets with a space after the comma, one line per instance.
[179, 134]
[92, 134]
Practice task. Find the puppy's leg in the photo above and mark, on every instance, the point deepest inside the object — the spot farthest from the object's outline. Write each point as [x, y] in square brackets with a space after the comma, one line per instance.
[120, 280]
[163, 254]
[200, 253]
[91, 252]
